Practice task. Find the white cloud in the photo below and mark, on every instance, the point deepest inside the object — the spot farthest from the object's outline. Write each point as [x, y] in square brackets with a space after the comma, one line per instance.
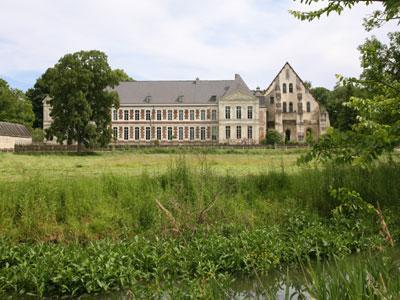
[177, 39]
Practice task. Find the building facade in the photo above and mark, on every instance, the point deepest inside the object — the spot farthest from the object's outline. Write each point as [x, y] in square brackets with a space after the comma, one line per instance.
[213, 111]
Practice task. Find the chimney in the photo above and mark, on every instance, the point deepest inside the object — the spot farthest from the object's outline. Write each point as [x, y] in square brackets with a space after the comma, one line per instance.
[258, 91]
[237, 77]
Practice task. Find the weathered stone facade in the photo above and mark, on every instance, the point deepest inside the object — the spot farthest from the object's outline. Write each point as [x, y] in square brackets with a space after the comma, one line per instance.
[291, 109]
[219, 111]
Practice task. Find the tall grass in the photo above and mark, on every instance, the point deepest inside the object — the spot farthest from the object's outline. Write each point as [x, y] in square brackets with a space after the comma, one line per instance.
[118, 206]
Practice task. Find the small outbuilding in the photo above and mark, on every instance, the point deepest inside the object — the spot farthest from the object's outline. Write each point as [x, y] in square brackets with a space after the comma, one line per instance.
[12, 134]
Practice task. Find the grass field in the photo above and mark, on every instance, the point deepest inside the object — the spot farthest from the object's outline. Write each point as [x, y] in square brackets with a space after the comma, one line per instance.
[234, 162]
[185, 224]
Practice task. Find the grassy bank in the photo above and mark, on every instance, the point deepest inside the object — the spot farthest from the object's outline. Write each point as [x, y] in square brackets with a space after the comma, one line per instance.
[186, 231]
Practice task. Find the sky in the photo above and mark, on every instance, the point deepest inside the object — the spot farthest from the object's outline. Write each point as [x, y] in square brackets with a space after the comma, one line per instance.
[177, 39]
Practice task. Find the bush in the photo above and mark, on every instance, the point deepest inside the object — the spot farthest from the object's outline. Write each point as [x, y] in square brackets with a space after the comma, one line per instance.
[37, 135]
[273, 137]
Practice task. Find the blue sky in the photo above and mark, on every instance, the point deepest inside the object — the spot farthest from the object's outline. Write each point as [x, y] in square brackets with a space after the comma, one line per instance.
[177, 39]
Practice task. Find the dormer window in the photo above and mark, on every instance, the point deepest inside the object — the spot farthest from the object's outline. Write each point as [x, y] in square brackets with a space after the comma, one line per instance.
[213, 98]
[180, 99]
[147, 99]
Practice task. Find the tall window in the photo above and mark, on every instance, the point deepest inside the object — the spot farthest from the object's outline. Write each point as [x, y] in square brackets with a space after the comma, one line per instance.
[290, 107]
[238, 112]
[249, 132]
[191, 133]
[227, 112]
[238, 132]
[170, 133]
[180, 133]
[290, 87]
[284, 107]
[126, 115]
[214, 133]
[126, 133]
[159, 115]
[202, 115]
[203, 133]
[250, 112]
[159, 133]
[115, 132]
[284, 88]
[115, 114]
[213, 115]
[170, 115]
[308, 107]
[181, 115]
[137, 133]
[191, 114]
[228, 132]
[147, 133]
[147, 114]
[137, 115]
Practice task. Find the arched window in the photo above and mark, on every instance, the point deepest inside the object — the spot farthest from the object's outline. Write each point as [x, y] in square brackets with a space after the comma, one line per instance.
[290, 87]
[284, 107]
[284, 88]
[308, 107]
[290, 107]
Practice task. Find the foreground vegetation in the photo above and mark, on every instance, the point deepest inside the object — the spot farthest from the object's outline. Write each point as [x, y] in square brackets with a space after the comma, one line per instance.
[191, 230]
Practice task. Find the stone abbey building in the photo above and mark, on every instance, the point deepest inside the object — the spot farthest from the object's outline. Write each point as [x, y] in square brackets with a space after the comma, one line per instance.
[214, 111]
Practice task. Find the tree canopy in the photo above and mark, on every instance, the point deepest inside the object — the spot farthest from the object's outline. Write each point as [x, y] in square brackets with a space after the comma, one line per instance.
[14, 107]
[41, 89]
[81, 98]
[377, 108]
[390, 11]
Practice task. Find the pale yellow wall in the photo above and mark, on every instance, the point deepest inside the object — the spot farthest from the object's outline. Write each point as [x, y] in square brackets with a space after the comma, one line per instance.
[244, 101]
[8, 142]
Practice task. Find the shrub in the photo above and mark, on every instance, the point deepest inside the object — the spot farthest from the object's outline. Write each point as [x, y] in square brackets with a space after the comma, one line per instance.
[273, 137]
[37, 135]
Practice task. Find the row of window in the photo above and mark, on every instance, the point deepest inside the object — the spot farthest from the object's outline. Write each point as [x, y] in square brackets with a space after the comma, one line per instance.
[162, 133]
[239, 112]
[284, 88]
[285, 108]
[238, 132]
[164, 114]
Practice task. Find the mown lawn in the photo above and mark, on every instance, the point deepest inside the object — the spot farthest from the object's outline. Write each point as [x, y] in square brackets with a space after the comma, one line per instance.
[235, 162]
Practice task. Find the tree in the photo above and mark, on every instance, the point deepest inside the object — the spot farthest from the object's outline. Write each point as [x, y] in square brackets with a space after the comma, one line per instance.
[390, 11]
[341, 116]
[377, 126]
[41, 89]
[122, 75]
[14, 107]
[81, 99]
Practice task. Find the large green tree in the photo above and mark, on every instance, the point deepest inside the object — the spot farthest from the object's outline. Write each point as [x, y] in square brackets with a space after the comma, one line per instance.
[390, 10]
[14, 107]
[41, 89]
[341, 116]
[377, 126]
[81, 98]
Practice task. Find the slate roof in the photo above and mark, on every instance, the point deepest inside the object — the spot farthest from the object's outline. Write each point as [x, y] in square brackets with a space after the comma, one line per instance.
[15, 130]
[169, 92]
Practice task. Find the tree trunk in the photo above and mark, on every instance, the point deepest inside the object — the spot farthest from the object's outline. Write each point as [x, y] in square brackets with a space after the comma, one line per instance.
[78, 148]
